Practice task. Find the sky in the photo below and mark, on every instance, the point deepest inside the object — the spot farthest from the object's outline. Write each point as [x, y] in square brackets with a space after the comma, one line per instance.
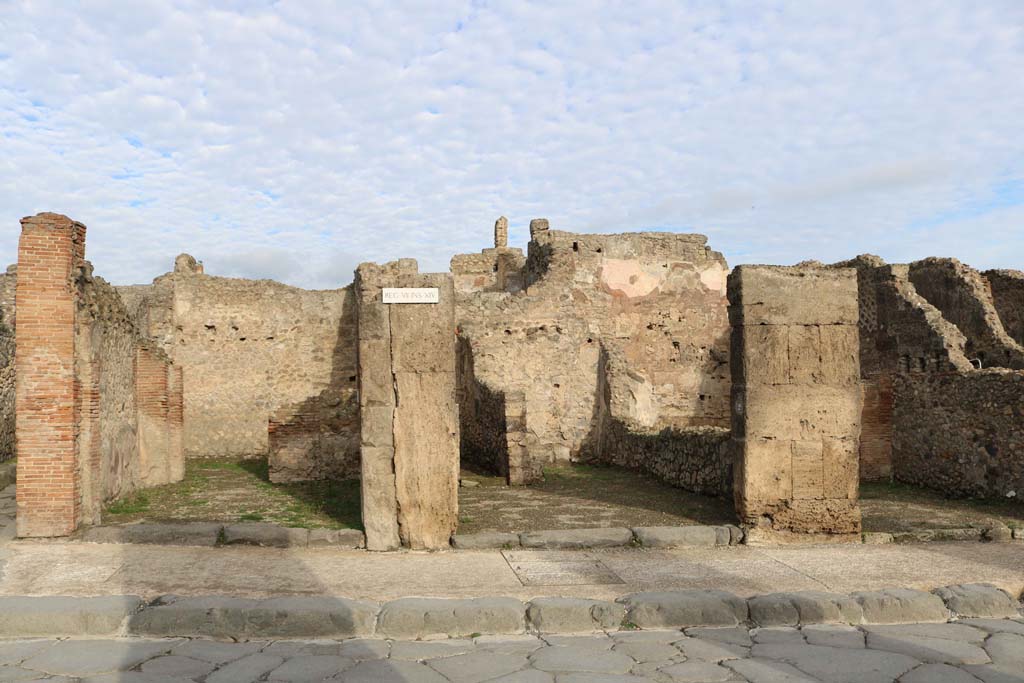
[294, 140]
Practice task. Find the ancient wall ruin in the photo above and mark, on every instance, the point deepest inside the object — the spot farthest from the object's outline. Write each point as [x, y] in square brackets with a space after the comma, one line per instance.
[537, 329]
[8, 283]
[964, 298]
[796, 399]
[961, 433]
[409, 416]
[1007, 288]
[269, 369]
[94, 401]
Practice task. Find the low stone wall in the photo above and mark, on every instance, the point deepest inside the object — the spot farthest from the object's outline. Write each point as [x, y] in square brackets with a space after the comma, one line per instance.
[961, 433]
[696, 459]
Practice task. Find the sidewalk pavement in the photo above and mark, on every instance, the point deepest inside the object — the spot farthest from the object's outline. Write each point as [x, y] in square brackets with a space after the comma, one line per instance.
[75, 568]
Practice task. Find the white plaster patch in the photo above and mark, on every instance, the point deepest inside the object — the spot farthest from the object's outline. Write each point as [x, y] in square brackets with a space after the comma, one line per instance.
[713, 277]
[628, 277]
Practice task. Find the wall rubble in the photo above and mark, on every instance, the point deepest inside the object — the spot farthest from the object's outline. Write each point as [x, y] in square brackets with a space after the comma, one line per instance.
[796, 399]
[1007, 287]
[8, 283]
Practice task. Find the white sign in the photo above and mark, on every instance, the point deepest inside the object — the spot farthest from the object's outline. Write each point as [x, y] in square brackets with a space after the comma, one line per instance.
[411, 295]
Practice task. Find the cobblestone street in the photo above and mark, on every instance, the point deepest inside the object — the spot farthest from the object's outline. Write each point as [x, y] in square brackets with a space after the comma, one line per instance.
[991, 651]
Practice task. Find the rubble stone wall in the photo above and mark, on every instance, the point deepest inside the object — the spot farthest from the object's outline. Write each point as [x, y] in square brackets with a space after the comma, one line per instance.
[796, 399]
[1007, 287]
[964, 298]
[8, 283]
[654, 301]
[269, 369]
[961, 434]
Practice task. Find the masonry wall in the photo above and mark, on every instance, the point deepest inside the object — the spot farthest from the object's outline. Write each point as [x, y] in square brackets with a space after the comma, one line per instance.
[268, 369]
[796, 399]
[964, 298]
[653, 301]
[8, 284]
[87, 431]
[900, 332]
[1007, 287]
[961, 434]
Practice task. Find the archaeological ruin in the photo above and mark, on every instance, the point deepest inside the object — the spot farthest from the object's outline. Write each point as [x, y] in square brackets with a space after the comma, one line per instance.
[779, 388]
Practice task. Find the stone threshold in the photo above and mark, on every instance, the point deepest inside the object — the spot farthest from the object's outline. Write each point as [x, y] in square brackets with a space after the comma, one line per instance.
[267, 535]
[309, 617]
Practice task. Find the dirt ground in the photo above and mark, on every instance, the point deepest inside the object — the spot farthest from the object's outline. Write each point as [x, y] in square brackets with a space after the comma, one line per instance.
[571, 496]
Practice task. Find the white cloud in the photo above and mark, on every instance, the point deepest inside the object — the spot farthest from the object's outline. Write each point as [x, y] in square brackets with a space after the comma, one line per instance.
[295, 139]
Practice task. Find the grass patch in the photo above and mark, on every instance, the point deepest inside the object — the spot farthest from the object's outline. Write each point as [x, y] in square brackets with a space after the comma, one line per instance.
[129, 506]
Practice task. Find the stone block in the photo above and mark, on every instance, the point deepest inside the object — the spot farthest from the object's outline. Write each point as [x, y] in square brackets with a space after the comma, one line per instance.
[423, 335]
[678, 536]
[804, 607]
[485, 539]
[266, 535]
[901, 606]
[877, 538]
[575, 539]
[376, 382]
[410, 618]
[683, 609]
[379, 504]
[840, 355]
[376, 426]
[198, 533]
[808, 470]
[573, 615]
[774, 295]
[804, 354]
[998, 533]
[840, 468]
[770, 366]
[978, 600]
[792, 413]
[52, 616]
[240, 618]
[341, 538]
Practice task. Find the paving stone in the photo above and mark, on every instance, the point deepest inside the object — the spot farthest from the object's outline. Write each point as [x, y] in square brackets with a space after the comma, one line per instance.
[573, 615]
[17, 651]
[266, 535]
[601, 678]
[478, 666]
[839, 665]
[576, 539]
[937, 673]
[364, 648]
[65, 616]
[677, 609]
[176, 665]
[653, 636]
[777, 634]
[990, 673]
[246, 669]
[422, 617]
[310, 668]
[711, 650]
[834, 635]
[128, 677]
[215, 652]
[570, 659]
[955, 631]
[678, 536]
[189, 533]
[697, 672]
[599, 642]
[296, 648]
[16, 673]
[996, 625]
[485, 540]
[337, 538]
[87, 657]
[647, 652]
[510, 645]
[288, 617]
[389, 671]
[526, 676]
[928, 649]
[1006, 650]
[768, 671]
[419, 650]
[804, 607]
[737, 635]
[901, 606]
[978, 600]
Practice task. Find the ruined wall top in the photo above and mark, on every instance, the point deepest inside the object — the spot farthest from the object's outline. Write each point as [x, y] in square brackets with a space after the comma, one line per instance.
[185, 263]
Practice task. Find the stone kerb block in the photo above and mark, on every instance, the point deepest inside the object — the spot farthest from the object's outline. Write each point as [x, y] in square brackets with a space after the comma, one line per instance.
[683, 609]
[53, 616]
[901, 606]
[977, 600]
[574, 615]
[414, 618]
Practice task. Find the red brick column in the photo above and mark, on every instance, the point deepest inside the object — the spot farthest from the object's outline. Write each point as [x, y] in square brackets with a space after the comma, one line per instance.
[49, 501]
[152, 405]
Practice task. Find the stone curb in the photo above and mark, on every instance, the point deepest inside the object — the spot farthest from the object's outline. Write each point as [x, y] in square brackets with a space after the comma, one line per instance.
[209, 534]
[427, 618]
[580, 539]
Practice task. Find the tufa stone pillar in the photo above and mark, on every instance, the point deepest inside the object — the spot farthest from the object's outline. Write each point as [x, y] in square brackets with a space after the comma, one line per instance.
[409, 430]
[538, 225]
[501, 233]
[796, 400]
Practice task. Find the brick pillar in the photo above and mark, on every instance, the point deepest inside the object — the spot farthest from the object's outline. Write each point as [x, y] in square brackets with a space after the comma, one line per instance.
[152, 406]
[50, 250]
[796, 399]
[175, 422]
